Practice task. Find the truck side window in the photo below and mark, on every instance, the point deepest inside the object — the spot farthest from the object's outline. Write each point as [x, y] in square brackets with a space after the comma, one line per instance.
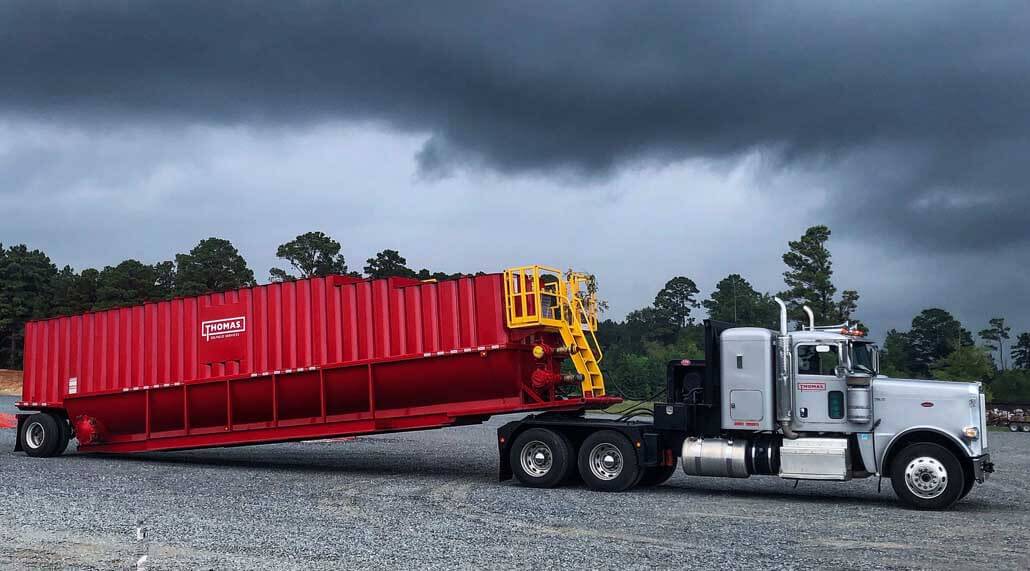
[811, 362]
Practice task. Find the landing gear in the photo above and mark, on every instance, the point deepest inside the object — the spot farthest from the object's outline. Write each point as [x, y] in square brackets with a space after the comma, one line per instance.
[44, 435]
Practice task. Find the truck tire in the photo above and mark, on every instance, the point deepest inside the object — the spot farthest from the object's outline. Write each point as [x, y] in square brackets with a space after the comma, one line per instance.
[656, 475]
[1013, 427]
[608, 462]
[541, 458]
[967, 486]
[42, 436]
[1025, 427]
[927, 476]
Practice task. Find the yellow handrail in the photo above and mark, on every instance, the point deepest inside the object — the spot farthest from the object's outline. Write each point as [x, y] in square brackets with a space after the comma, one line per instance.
[540, 296]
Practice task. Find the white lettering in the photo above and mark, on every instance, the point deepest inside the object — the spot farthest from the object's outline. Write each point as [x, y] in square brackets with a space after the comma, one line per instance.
[221, 328]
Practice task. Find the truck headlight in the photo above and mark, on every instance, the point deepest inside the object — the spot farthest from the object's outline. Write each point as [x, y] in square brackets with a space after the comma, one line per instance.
[971, 432]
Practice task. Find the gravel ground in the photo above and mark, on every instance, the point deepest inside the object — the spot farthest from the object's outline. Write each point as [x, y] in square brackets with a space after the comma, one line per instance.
[432, 500]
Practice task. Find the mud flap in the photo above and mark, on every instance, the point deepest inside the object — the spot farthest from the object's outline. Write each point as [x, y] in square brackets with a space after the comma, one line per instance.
[17, 435]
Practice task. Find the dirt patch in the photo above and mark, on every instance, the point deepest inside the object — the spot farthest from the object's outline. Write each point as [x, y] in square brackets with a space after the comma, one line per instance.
[10, 382]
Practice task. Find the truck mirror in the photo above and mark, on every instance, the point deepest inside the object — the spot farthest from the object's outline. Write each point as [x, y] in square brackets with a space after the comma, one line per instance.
[840, 371]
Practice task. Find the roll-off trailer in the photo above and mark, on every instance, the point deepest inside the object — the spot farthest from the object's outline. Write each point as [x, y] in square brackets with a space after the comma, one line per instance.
[336, 356]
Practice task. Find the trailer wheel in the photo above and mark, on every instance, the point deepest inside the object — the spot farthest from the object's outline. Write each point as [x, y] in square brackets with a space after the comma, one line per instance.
[541, 458]
[608, 462]
[656, 475]
[927, 476]
[42, 436]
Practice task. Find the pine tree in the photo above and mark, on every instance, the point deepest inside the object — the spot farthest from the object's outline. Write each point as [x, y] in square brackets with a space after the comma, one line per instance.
[213, 265]
[1021, 352]
[388, 263]
[676, 300]
[809, 276]
[310, 254]
[995, 336]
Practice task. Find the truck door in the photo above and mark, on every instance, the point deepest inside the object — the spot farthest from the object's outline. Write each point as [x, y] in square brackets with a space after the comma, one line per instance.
[819, 394]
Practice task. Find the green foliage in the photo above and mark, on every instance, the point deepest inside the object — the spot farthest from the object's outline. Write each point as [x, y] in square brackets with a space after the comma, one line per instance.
[641, 373]
[809, 275]
[935, 334]
[966, 363]
[1021, 352]
[26, 289]
[310, 254]
[128, 283]
[213, 265]
[74, 293]
[1011, 386]
[425, 274]
[735, 301]
[388, 263]
[995, 336]
[897, 359]
[675, 301]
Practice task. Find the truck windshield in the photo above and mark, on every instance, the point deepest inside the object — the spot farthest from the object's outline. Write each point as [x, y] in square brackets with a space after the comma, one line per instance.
[862, 358]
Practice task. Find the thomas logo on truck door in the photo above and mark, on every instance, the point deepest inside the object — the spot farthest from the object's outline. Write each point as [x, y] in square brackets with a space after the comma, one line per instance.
[811, 386]
[222, 328]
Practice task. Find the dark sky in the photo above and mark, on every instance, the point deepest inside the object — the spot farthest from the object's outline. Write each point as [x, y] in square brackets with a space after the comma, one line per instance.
[637, 139]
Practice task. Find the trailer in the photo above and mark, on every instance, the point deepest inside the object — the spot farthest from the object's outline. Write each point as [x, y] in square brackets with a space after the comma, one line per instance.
[312, 358]
[339, 356]
[1013, 417]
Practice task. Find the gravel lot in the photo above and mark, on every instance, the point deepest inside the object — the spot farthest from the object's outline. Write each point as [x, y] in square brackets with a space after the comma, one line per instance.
[431, 500]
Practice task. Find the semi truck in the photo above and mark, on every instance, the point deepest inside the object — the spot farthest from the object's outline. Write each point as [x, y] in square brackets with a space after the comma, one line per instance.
[338, 356]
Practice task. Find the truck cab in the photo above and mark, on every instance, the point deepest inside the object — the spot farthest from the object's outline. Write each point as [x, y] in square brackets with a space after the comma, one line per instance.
[813, 405]
[808, 404]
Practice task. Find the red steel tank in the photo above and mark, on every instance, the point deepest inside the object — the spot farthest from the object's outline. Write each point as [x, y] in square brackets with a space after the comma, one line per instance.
[311, 358]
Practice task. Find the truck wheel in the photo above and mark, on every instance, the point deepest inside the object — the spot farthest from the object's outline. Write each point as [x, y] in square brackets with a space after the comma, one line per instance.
[656, 475]
[1013, 427]
[927, 476]
[967, 486]
[1025, 427]
[541, 458]
[42, 436]
[608, 462]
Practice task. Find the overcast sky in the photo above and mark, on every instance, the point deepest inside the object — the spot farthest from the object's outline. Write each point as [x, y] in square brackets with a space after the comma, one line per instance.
[635, 140]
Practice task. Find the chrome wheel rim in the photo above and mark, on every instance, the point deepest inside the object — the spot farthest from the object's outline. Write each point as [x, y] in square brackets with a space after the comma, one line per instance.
[1013, 428]
[606, 461]
[1026, 428]
[926, 477]
[35, 434]
[536, 459]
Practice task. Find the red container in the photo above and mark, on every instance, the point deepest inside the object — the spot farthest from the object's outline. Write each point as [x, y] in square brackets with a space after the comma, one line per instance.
[285, 361]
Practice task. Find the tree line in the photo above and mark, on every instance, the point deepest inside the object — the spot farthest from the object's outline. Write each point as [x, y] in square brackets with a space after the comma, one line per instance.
[32, 286]
[637, 348]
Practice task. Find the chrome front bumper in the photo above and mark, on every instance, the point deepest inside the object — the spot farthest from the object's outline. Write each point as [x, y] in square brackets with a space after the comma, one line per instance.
[982, 467]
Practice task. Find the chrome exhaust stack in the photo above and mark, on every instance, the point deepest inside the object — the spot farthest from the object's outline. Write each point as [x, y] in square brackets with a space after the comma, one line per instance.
[811, 317]
[784, 387]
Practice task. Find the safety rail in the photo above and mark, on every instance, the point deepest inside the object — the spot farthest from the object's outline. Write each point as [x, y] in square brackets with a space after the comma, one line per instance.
[540, 296]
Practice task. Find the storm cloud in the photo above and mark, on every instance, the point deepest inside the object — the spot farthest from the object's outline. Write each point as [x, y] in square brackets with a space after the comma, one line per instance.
[906, 126]
[578, 88]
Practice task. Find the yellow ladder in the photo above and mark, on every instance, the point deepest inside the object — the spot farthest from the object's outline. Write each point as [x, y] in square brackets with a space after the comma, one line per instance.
[583, 357]
[538, 296]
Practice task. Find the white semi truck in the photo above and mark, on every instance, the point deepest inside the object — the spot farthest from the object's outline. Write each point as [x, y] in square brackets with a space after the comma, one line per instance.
[801, 405]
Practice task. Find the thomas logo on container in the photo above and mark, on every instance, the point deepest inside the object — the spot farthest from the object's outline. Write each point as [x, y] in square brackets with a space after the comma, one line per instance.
[222, 328]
